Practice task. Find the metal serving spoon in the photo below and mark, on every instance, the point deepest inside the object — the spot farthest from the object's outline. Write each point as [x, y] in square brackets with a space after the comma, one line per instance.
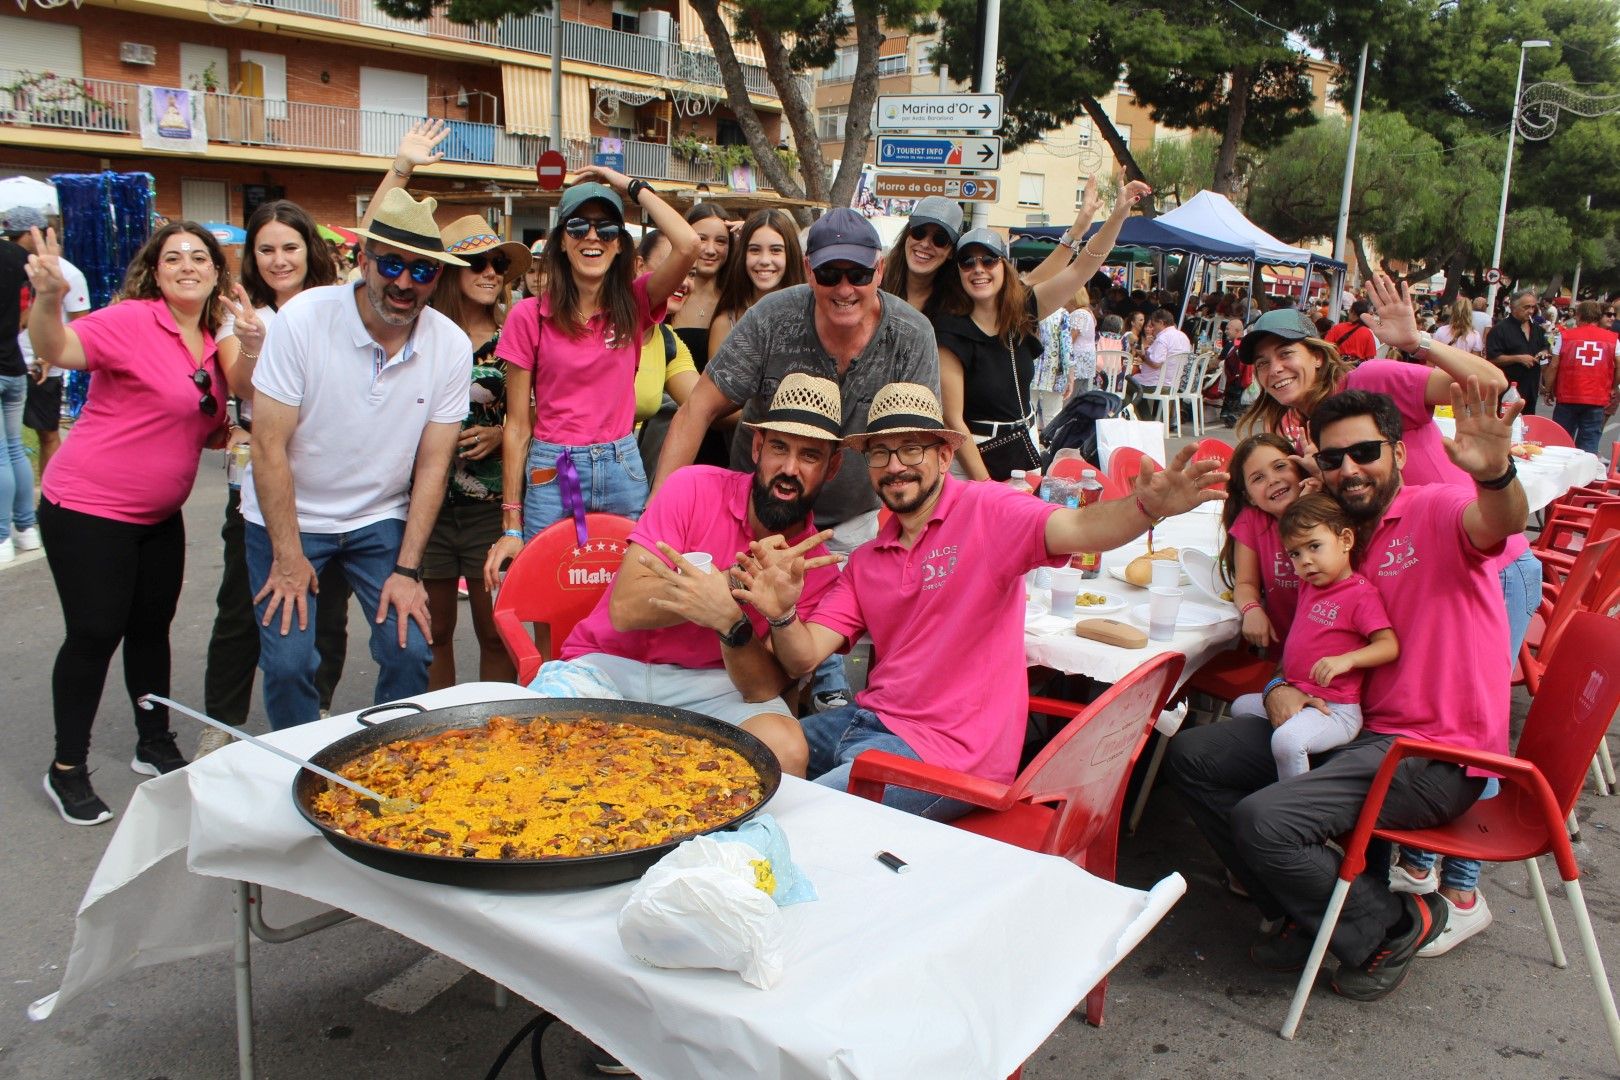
[380, 804]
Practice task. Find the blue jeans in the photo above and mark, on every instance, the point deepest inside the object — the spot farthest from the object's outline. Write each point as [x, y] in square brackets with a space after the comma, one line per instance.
[1583, 422]
[16, 474]
[289, 662]
[612, 480]
[838, 736]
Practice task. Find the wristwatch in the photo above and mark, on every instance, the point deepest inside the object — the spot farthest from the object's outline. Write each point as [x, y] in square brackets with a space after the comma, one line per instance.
[1425, 343]
[414, 573]
[740, 634]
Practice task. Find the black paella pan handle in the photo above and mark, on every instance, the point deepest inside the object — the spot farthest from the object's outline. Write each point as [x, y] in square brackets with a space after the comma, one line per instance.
[360, 717]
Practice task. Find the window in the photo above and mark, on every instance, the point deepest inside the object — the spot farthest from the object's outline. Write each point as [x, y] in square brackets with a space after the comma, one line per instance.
[621, 133]
[31, 45]
[1083, 131]
[926, 66]
[842, 67]
[626, 19]
[203, 200]
[891, 65]
[831, 122]
[195, 64]
[729, 133]
[1031, 189]
[265, 75]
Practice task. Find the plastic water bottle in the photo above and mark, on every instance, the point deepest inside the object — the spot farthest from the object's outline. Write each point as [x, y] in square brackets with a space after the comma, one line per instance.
[1090, 491]
[1017, 482]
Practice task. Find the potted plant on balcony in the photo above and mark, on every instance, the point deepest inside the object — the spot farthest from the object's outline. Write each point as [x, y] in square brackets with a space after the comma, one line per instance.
[46, 96]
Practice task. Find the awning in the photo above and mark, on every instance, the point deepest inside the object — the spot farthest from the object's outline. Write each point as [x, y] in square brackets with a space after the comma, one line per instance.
[528, 102]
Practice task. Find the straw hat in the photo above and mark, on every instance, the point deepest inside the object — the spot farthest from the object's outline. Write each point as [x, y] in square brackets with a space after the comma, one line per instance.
[471, 235]
[804, 405]
[905, 409]
[404, 223]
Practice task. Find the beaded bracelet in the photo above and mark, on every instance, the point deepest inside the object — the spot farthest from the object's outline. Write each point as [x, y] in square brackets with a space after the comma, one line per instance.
[511, 508]
[785, 619]
[1250, 606]
[1276, 681]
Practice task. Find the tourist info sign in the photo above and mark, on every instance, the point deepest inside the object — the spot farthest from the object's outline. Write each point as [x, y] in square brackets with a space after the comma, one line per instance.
[959, 188]
[937, 112]
[939, 151]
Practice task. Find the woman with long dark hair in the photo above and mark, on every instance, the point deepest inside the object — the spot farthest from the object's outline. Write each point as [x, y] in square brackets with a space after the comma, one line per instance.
[766, 257]
[918, 268]
[713, 228]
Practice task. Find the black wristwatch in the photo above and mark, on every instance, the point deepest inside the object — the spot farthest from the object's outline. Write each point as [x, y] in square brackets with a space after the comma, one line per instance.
[740, 634]
[414, 573]
[634, 189]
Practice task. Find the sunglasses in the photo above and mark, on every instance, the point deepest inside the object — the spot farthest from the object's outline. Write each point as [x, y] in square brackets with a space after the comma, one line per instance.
[423, 271]
[974, 262]
[580, 227]
[500, 261]
[930, 233]
[204, 382]
[829, 276]
[1362, 453]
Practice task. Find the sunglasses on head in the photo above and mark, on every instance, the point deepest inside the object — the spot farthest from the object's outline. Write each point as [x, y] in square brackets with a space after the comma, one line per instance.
[500, 261]
[423, 271]
[974, 262]
[1362, 453]
[830, 276]
[580, 227]
[931, 233]
[204, 382]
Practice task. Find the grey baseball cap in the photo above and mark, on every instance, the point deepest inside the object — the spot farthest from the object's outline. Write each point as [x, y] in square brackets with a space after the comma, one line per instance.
[19, 219]
[1290, 324]
[937, 210]
[985, 238]
[580, 194]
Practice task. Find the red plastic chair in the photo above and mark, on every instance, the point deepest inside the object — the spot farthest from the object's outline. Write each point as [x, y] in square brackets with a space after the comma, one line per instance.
[1595, 572]
[1123, 465]
[1540, 784]
[1545, 430]
[1068, 800]
[555, 582]
[1564, 537]
[1214, 449]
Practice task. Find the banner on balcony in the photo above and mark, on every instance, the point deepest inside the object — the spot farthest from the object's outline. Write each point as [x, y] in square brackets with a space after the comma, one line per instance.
[173, 119]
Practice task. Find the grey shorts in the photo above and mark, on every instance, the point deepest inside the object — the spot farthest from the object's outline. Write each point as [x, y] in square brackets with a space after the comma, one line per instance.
[706, 691]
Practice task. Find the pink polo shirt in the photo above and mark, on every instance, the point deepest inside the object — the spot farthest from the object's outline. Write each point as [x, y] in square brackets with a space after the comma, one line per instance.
[1331, 622]
[947, 625]
[584, 387]
[1279, 586]
[1445, 604]
[699, 508]
[132, 455]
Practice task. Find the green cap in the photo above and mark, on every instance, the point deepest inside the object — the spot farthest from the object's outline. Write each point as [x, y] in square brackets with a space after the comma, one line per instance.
[1290, 324]
[580, 194]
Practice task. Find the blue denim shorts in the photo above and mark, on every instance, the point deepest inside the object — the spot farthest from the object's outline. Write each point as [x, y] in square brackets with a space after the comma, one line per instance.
[612, 480]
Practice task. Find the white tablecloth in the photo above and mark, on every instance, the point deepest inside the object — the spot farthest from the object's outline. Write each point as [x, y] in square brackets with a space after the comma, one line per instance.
[1542, 482]
[962, 967]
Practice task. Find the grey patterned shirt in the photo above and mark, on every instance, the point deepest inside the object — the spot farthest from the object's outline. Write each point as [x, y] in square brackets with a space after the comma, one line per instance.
[777, 336]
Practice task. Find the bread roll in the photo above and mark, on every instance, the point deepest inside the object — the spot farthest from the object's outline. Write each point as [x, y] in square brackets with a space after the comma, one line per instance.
[1140, 569]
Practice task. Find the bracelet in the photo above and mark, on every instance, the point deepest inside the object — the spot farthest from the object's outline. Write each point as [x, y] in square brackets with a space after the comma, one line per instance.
[787, 618]
[1067, 238]
[634, 189]
[245, 355]
[1501, 481]
[1152, 521]
[515, 508]
[395, 170]
[1250, 606]
[1093, 254]
[516, 534]
[1276, 681]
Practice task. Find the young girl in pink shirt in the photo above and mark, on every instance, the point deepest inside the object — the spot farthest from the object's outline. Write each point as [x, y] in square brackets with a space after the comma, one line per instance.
[1265, 482]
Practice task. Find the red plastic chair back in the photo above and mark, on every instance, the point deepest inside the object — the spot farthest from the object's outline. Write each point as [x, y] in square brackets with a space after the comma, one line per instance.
[1123, 465]
[1215, 450]
[1568, 532]
[1545, 430]
[1571, 714]
[556, 582]
[1595, 573]
[1069, 468]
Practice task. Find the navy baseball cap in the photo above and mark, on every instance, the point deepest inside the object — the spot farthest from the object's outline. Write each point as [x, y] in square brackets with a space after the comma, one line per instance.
[842, 235]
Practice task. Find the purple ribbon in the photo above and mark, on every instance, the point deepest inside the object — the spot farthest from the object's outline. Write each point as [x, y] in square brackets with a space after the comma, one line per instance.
[573, 499]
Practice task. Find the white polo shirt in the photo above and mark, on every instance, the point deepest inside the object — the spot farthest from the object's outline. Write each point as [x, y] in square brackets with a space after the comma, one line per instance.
[361, 412]
[74, 301]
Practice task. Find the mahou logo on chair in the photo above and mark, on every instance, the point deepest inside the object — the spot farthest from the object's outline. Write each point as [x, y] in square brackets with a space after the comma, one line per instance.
[591, 565]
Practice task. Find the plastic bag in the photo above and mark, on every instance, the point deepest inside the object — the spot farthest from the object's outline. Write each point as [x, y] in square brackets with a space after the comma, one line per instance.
[765, 836]
[703, 905]
[573, 679]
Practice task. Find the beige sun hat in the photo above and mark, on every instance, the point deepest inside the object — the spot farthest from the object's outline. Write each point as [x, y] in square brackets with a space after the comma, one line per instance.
[905, 409]
[404, 223]
[471, 235]
[804, 405]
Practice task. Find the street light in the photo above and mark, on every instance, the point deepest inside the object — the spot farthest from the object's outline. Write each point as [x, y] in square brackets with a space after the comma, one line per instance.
[1507, 171]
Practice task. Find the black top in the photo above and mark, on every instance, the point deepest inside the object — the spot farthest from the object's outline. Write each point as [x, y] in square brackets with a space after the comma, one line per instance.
[697, 342]
[988, 390]
[13, 279]
[1509, 337]
[712, 450]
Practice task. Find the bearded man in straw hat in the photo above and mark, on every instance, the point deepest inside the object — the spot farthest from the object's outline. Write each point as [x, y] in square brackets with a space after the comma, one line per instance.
[358, 399]
[941, 584]
[672, 632]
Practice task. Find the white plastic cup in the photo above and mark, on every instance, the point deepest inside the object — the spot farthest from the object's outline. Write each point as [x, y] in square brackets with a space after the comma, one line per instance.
[1066, 583]
[1166, 574]
[1164, 605]
[700, 560]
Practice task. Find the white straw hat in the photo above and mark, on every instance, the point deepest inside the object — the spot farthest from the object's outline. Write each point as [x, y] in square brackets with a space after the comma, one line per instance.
[407, 224]
[804, 405]
[905, 409]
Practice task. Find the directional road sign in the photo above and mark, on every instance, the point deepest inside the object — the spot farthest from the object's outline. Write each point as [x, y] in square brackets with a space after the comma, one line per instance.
[960, 188]
[937, 112]
[939, 151]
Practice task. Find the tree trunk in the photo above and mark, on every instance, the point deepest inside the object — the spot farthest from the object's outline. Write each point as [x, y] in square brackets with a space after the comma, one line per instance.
[1454, 269]
[1362, 264]
[1122, 149]
[862, 96]
[1226, 178]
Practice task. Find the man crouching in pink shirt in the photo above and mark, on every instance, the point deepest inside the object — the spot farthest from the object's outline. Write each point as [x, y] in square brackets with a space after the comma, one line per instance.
[940, 592]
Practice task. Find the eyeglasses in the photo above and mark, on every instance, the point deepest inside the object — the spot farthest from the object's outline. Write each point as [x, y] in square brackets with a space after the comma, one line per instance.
[830, 276]
[580, 227]
[500, 261]
[931, 233]
[208, 405]
[1362, 453]
[910, 454]
[974, 262]
[423, 271]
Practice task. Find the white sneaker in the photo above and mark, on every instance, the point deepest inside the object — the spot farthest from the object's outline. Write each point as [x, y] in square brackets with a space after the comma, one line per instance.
[210, 740]
[28, 539]
[1401, 881]
[1461, 924]
[8, 551]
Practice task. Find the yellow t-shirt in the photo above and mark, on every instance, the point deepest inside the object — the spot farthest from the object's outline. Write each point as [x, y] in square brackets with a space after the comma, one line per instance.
[652, 373]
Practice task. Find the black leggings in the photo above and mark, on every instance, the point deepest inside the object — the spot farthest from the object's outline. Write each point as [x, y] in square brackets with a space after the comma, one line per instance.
[117, 582]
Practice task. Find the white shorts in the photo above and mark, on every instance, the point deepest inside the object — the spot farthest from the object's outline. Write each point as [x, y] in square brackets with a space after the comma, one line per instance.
[706, 691]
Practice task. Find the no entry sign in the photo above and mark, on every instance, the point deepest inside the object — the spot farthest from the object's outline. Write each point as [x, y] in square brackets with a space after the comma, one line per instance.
[550, 170]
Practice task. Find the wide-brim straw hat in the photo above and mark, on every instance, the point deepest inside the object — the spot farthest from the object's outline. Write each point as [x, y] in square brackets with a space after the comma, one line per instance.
[404, 223]
[804, 405]
[905, 409]
[471, 235]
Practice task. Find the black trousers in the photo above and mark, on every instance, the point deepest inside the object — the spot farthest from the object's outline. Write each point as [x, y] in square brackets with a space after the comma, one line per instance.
[1273, 834]
[117, 583]
[233, 650]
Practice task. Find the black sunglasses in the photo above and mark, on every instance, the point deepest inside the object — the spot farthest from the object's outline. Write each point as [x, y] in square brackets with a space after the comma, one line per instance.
[500, 261]
[973, 262]
[931, 233]
[829, 276]
[423, 271]
[1362, 453]
[580, 227]
[203, 381]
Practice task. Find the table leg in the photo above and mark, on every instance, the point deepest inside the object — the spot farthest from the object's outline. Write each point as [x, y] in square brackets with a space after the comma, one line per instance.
[243, 971]
[503, 997]
[1159, 745]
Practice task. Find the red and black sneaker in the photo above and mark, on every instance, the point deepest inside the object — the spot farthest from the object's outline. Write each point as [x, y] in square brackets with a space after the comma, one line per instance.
[1386, 968]
[1284, 951]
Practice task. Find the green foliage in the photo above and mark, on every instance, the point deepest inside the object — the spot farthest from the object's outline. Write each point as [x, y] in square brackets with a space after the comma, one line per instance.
[1178, 169]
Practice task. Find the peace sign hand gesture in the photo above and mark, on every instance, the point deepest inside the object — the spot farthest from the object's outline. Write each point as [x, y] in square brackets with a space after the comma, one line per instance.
[771, 575]
[45, 266]
[249, 328]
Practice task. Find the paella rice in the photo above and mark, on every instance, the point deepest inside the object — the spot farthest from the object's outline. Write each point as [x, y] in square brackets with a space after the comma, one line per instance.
[539, 788]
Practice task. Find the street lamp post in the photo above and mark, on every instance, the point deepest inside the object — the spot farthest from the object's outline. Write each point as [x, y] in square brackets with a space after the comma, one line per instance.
[1507, 170]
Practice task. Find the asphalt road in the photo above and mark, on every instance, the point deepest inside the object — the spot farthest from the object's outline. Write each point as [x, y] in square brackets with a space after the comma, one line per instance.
[1186, 1004]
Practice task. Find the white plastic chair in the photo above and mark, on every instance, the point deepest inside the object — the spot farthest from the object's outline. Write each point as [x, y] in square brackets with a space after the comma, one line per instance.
[1168, 394]
[1199, 375]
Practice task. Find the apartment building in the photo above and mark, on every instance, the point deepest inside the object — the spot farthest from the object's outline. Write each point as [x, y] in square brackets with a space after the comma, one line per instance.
[307, 99]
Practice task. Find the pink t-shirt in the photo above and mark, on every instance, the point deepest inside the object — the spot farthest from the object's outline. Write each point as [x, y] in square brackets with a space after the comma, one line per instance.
[1445, 604]
[584, 387]
[1279, 586]
[947, 625]
[133, 452]
[699, 508]
[1331, 622]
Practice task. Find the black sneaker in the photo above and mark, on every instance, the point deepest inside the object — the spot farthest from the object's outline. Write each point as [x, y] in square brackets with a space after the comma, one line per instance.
[1284, 951]
[604, 1062]
[158, 755]
[75, 800]
[828, 700]
[1386, 968]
